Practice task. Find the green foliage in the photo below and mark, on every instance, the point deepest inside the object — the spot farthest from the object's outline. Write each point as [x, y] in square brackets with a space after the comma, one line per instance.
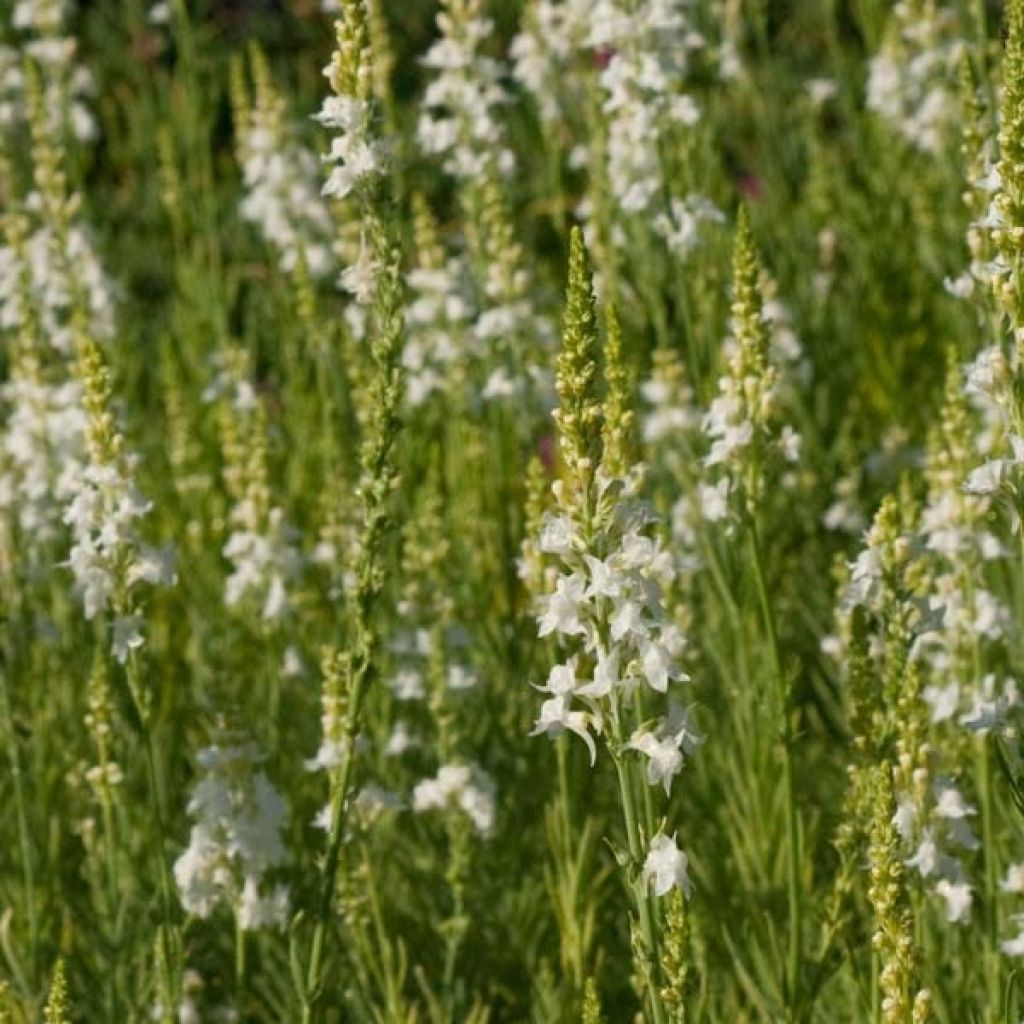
[284, 489]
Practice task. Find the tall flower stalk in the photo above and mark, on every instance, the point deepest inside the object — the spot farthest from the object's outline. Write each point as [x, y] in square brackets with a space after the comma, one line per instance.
[606, 611]
[748, 441]
[358, 159]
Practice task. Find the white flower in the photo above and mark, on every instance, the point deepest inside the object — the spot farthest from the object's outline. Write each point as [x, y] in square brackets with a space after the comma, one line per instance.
[944, 700]
[282, 196]
[1015, 946]
[958, 899]
[607, 676]
[155, 565]
[951, 804]
[360, 278]
[790, 442]
[904, 818]
[127, 636]
[659, 666]
[666, 745]
[408, 684]
[664, 758]
[461, 678]
[926, 858]
[331, 754]
[989, 709]
[821, 90]
[627, 620]
[605, 578]
[562, 612]
[1014, 880]
[256, 911]
[265, 560]
[666, 866]
[399, 741]
[714, 500]
[372, 800]
[561, 679]
[987, 478]
[961, 287]
[556, 716]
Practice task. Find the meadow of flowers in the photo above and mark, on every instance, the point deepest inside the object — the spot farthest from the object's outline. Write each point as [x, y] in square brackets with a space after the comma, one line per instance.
[510, 511]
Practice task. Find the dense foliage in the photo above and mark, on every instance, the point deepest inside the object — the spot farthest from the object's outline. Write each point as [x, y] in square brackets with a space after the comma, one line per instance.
[522, 525]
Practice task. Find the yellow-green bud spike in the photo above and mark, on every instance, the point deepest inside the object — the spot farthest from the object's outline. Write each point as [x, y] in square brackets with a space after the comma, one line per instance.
[58, 1003]
[578, 416]
[617, 437]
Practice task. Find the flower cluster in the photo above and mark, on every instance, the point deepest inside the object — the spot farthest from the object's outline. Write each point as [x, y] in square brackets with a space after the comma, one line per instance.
[358, 155]
[671, 431]
[644, 53]
[459, 785]
[42, 451]
[963, 617]
[542, 53]
[457, 121]
[945, 828]
[909, 79]
[606, 602]
[281, 180]
[437, 315]
[459, 124]
[742, 422]
[47, 258]
[905, 644]
[261, 547]
[983, 182]
[70, 88]
[608, 597]
[235, 841]
[264, 559]
[44, 444]
[107, 558]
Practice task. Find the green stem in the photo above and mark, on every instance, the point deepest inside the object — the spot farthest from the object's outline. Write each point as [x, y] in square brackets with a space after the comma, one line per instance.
[792, 819]
[571, 938]
[24, 838]
[239, 962]
[638, 885]
[456, 931]
[134, 681]
[337, 834]
[991, 908]
[110, 859]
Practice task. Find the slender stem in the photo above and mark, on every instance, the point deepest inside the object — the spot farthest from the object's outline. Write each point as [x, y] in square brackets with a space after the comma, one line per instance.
[338, 800]
[24, 838]
[134, 681]
[991, 906]
[792, 819]
[110, 859]
[155, 793]
[456, 930]
[133, 674]
[644, 907]
[239, 962]
[565, 805]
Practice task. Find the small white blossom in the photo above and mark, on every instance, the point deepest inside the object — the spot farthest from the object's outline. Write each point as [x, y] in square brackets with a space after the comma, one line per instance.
[666, 866]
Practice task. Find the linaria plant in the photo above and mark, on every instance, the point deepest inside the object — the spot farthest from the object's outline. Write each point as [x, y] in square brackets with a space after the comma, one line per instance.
[606, 610]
